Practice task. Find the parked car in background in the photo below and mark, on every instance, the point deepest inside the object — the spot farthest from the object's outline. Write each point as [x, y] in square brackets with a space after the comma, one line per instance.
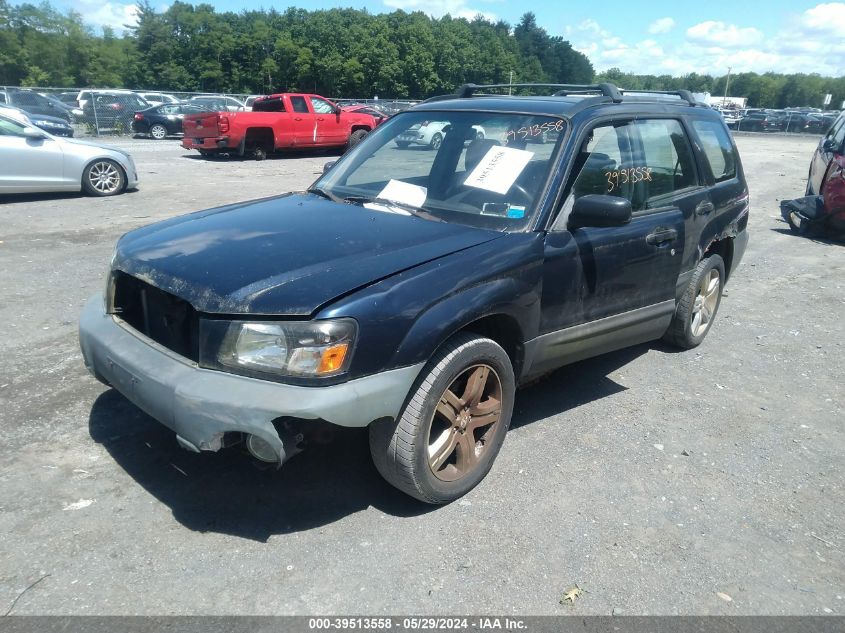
[378, 115]
[219, 104]
[250, 100]
[158, 98]
[827, 167]
[112, 111]
[74, 111]
[820, 123]
[84, 96]
[430, 134]
[760, 121]
[32, 160]
[53, 125]
[68, 98]
[162, 121]
[277, 122]
[34, 103]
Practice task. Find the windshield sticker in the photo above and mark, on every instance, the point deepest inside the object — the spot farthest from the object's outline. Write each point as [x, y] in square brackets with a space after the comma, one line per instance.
[499, 169]
[531, 131]
[619, 177]
[517, 213]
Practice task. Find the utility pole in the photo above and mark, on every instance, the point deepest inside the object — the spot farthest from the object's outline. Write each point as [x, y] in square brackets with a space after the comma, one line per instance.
[510, 81]
[727, 83]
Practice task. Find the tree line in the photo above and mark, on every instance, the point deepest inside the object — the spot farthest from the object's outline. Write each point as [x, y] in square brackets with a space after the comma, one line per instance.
[336, 52]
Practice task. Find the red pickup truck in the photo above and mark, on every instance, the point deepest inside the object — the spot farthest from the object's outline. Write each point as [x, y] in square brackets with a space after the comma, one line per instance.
[277, 122]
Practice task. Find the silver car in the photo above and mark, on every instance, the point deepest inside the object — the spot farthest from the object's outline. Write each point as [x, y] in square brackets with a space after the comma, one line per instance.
[32, 160]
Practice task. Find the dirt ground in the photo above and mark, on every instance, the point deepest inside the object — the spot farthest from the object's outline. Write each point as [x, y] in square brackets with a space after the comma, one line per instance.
[700, 482]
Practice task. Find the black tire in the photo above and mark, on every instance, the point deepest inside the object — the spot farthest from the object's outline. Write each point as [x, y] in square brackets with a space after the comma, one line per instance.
[402, 144]
[401, 448]
[158, 132]
[436, 141]
[103, 177]
[259, 153]
[684, 331]
[356, 137]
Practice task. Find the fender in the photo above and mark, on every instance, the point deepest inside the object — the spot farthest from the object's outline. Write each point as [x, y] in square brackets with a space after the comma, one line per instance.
[513, 297]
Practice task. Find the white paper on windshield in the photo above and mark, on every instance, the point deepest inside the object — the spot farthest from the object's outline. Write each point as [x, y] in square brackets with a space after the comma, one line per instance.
[499, 169]
[399, 191]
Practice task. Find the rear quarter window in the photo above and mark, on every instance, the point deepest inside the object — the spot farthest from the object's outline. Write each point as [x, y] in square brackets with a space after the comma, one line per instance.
[717, 148]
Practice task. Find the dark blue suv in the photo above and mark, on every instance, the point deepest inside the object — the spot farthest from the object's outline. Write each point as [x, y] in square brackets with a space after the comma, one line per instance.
[411, 290]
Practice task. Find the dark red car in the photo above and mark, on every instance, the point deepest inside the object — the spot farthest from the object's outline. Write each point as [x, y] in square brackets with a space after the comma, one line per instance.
[823, 206]
[827, 174]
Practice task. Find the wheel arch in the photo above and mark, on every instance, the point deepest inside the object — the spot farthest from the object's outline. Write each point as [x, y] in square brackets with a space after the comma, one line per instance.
[724, 248]
[360, 126]
[260, 137]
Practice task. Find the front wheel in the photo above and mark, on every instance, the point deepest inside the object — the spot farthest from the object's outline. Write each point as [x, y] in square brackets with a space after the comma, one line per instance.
[158, 132]
[103, 177]
[356, 137]
[697, 308]
[436, 141]
[453, 423]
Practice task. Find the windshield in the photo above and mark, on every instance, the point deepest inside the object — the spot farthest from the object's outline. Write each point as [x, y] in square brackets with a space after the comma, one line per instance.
[484, 169]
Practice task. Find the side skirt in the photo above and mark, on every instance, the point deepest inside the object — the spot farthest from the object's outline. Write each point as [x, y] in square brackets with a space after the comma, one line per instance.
[562, 347]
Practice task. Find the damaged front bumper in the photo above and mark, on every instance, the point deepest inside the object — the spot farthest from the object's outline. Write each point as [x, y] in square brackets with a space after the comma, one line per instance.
[201, 405]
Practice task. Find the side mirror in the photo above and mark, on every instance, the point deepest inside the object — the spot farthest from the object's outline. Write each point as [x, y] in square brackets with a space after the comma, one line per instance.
[33, 133]
[600, 211]
[829, 145]
[329, 165]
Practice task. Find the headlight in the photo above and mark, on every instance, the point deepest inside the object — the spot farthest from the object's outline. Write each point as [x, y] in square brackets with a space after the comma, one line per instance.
[289, 348]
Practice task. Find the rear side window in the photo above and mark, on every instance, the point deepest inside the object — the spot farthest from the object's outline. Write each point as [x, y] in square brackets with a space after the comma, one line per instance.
[271, 104]
[666, 163]
[299, 104]
[718, 149]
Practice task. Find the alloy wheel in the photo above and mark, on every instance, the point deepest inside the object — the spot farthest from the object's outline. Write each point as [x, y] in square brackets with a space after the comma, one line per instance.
[462, 424]
[104, 177]
[705, 302]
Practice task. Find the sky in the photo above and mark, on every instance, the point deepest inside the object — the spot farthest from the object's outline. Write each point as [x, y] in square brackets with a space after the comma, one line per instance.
[676, 38]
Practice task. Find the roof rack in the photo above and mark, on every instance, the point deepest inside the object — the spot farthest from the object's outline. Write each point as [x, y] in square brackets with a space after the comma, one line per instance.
[606, 89]
[686, 95]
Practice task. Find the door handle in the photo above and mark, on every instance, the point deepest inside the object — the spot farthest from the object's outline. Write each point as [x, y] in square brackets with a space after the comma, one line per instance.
[705, 207]
[297, 118]
[661, 236]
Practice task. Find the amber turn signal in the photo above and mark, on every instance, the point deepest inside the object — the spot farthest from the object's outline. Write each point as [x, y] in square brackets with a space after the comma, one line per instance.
[332, 359]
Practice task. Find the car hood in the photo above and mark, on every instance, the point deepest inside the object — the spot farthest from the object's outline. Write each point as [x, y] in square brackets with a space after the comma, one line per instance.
[111, 148]
[287, 255]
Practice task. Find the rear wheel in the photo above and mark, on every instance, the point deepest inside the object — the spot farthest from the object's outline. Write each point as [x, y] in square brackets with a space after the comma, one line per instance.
[436, 141]
[697, 308]
[103, 177]
[158, 132]
[453, 423]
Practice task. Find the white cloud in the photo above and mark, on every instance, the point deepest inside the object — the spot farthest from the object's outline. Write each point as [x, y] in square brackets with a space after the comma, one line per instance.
[829, 17]
[810, 42]
[115, 15]
[439, 8]
[721, 34]
[663, 25]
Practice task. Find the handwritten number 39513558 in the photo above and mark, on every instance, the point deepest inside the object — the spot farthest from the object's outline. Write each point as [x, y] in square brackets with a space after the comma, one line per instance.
[619, 177]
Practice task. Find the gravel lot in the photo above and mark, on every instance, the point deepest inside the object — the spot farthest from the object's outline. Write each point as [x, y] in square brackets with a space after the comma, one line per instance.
[702, 482]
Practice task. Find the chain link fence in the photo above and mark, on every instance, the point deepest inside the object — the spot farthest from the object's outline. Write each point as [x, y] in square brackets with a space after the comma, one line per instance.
[105, 112]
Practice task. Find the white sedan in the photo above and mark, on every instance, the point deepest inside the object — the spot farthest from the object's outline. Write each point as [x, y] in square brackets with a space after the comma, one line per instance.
[429, 133]
[32, 160]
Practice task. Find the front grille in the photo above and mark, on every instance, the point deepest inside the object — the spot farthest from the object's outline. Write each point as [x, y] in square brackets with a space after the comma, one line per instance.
[165, 318]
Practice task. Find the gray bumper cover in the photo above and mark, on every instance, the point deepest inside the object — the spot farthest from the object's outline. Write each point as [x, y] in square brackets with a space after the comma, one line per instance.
[200, 404]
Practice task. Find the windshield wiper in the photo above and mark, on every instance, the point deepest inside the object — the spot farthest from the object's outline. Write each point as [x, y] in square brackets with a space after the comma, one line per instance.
[404, 206]
[324, 193]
